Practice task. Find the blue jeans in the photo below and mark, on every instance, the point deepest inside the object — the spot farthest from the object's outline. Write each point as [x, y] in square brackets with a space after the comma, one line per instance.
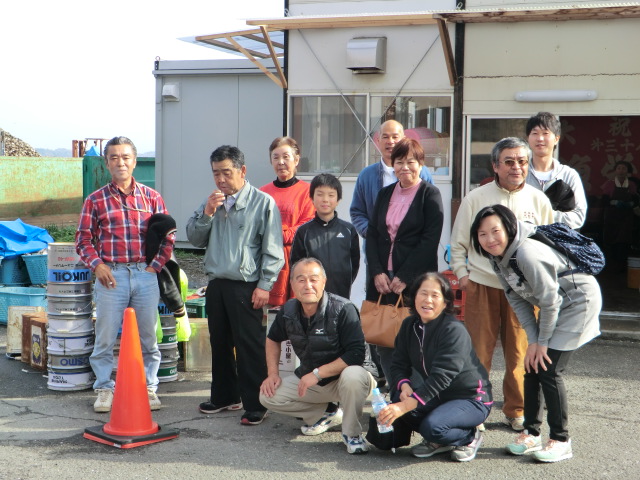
[136, 288]
[452, 422]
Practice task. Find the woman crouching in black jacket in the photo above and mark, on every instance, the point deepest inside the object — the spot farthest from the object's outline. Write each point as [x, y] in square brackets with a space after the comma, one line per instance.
[454, 394]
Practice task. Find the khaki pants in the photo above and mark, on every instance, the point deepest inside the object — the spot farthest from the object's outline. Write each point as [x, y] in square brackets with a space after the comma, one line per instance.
[351, 390]
[488, 317]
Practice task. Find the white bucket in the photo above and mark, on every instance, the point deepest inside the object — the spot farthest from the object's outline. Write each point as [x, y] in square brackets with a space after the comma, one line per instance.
[70, 305]
[69, 344]
[76, 324]
[63, 256]
[80, 379]
[168, 372]
[82, 288]
[169, 353]
[68, 362]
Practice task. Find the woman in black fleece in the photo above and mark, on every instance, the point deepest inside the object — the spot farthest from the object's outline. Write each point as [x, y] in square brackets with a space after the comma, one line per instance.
[453, 395]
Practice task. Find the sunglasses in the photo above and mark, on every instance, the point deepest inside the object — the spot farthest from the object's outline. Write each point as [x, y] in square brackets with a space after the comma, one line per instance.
[512, 163]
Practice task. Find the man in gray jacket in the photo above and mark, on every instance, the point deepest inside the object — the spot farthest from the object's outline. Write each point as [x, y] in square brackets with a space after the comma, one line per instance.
[241, 228]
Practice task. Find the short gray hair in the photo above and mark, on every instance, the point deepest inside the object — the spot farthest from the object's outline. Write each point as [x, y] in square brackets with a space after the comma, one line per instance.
[120, 141]
[509, 142]
[306, 261]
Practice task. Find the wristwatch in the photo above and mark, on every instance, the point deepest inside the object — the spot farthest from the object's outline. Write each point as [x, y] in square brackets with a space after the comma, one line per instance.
[316, 372]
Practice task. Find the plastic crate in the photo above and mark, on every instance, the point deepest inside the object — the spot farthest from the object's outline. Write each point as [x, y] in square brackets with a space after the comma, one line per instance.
[459, 296]
[37, 268]
[196, 308]
[20, 296]
[13, 271]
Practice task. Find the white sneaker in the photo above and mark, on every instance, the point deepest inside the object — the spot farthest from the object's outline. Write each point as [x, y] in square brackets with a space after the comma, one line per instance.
[104, 400]
[516, 423]
[554, 451]
[154, 401]
[355, 444]
[525, 443]
[466, 453]
[327, 421]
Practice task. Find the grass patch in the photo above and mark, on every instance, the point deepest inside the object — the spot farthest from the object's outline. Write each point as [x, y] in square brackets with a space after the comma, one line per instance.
[188, 254]
[62, 233]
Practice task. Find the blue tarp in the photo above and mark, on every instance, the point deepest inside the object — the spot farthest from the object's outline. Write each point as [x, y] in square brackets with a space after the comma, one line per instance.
[17, 237]
[92, 152]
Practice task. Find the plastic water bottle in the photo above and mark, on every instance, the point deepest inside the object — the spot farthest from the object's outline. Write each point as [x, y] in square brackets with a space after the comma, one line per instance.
[378, 403]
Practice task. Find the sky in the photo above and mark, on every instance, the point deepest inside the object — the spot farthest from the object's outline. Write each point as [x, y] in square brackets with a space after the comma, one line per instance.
[76, 69]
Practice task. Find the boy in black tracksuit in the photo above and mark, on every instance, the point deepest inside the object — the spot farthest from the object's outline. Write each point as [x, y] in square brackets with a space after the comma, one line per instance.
[328, 238]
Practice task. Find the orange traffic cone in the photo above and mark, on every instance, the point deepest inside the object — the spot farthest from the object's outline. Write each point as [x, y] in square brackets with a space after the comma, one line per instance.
[130, 424]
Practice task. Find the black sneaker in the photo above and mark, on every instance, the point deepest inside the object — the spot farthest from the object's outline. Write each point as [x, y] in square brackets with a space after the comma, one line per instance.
[253, 418]
[208, 407]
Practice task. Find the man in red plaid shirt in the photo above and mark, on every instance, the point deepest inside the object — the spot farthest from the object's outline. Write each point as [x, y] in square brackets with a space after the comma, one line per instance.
[111, 241]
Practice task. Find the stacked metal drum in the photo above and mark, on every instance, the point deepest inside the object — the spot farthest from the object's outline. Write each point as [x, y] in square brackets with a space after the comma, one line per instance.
[168, 370]
[70, 332]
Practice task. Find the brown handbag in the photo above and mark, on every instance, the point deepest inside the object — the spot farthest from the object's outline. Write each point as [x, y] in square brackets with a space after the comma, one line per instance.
[381, 323]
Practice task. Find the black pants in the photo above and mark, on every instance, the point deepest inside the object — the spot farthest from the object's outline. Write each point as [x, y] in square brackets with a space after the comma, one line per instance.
[233, 322]
[548, 386]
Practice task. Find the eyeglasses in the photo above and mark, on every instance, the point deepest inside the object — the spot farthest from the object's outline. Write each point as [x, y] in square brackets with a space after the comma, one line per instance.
[510, 162]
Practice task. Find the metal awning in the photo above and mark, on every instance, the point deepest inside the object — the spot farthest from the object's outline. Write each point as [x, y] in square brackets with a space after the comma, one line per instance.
[256, 44]
[270, 33]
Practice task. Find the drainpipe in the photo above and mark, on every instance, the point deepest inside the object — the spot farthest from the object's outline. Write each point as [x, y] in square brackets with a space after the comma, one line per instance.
[285, 113]
[458, 120]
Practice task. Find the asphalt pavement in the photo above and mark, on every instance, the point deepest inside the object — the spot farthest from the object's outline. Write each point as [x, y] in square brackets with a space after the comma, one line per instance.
[41, 433]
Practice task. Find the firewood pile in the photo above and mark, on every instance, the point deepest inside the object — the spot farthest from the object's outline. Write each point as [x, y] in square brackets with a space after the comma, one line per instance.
[14, 147]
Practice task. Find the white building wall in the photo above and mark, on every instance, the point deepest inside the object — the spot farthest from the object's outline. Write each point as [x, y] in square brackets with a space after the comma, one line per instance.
[317, 56]
[504, 58]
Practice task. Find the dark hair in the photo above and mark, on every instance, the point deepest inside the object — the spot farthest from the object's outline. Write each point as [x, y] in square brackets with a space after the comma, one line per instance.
[280, 141]
[120, 141]
[407, 147]
[445, 287]
[305, 261]
[227, 152]
[505, 143]
[325, 180]
[626, 164]
[545, 120]
[507, 218]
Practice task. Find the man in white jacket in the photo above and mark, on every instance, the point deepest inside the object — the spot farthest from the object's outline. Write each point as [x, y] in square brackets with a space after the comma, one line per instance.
[543, 134]
[489, 314]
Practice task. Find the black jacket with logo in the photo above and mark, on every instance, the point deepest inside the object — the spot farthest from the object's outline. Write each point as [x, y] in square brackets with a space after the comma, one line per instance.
[336, 244]
[333, 332]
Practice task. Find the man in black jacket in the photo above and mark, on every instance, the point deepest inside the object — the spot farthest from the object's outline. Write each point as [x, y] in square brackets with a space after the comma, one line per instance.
[325, 334]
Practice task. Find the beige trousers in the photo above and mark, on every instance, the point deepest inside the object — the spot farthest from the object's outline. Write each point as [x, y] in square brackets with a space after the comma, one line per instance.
[351, 390]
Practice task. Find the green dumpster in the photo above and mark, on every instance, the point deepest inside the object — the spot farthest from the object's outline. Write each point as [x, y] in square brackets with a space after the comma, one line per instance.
[96, 175]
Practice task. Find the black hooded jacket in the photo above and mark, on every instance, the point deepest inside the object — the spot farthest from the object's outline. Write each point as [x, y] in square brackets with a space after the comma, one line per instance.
[160, 225]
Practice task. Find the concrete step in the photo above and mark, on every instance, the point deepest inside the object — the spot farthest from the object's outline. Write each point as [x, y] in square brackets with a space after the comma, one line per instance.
[620, 325]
